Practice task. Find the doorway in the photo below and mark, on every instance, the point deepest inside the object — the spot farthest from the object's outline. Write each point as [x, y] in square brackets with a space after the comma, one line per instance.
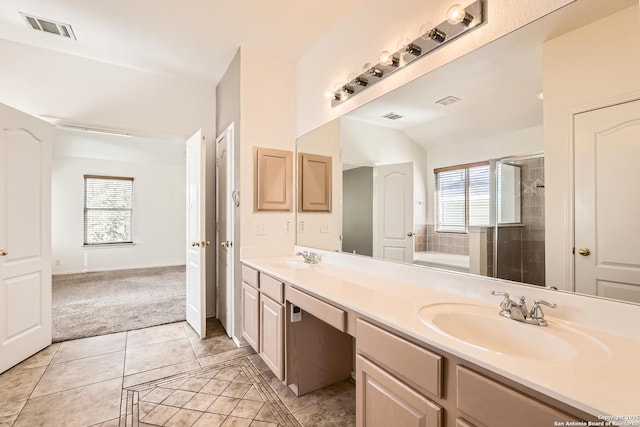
[131, 281]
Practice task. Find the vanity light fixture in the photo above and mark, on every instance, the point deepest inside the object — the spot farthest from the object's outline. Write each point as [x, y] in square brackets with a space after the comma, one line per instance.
[458, 21]
[388, 59]
[406, 46]
[375, 72]
[436, 35]
[458, 15]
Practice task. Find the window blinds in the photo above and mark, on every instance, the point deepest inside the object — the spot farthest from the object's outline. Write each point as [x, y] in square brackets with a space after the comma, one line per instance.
[463, 197]
[108, 210]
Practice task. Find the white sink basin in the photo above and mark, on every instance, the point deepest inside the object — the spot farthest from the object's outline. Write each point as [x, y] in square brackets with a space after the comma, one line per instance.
[482, 327]
[294, 263]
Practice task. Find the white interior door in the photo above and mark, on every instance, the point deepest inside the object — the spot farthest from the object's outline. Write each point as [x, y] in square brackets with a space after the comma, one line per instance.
[25, 236]
[226, 201]
[607, 206]
[393, 213]
[196, 240]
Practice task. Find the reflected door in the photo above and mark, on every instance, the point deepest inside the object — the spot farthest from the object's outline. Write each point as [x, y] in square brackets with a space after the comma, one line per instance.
[25, 236]
[393, 213]
[607, 206]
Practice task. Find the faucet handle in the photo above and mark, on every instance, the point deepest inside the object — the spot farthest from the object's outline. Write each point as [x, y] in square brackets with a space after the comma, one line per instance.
[536, 311]
[543, 302]
[505, 305]
[502, 294]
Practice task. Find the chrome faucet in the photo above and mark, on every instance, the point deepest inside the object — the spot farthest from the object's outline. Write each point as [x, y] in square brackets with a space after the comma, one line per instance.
[309, 257]
[518, 311]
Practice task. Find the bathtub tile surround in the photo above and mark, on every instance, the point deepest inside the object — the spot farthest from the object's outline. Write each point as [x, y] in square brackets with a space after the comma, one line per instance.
[83, 383]
[432, 241]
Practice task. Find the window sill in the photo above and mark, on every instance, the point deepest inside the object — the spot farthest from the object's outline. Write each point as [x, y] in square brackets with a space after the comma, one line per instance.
[108, 245]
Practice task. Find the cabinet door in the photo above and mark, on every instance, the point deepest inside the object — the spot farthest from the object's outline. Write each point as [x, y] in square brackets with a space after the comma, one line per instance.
[272, 335]
[273, 180]
[250, 316]
[383, 400]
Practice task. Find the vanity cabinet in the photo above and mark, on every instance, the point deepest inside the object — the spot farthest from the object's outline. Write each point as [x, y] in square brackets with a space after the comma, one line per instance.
[272, 334]
[400, 382]
[250, 302]
[396, 380]
[263, 317]
[383, 400]
[484, 401]
[251, 315]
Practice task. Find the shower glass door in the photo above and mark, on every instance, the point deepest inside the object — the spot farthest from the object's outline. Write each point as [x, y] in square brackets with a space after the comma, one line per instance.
[516, 235]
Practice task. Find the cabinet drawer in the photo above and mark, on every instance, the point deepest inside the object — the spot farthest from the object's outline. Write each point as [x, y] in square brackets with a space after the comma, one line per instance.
[486, 402]
[320, 309]
[414, 365]
[382, 400]
[250, 276]
[272, 287]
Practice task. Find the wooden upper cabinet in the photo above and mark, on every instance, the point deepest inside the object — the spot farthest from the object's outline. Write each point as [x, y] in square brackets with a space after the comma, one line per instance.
[273, 179]
[314, 182]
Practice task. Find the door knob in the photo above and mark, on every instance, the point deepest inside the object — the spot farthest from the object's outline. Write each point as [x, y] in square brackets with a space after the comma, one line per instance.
[195, 244]
[4, 252]
[584, 251]
[410, 234]
[205, 243]
[225, 244]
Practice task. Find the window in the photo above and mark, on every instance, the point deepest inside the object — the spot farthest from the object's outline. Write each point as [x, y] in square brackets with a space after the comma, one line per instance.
[463, 197]
[108, 210]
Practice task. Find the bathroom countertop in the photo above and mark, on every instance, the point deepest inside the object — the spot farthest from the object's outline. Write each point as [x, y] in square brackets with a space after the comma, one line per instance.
[608, 386]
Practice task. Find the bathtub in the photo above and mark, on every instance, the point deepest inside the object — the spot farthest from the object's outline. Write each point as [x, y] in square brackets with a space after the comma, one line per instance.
[442, 260]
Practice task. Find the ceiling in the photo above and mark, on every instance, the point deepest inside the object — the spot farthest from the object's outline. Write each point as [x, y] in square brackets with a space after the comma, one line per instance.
[193, 38]
[498, 85]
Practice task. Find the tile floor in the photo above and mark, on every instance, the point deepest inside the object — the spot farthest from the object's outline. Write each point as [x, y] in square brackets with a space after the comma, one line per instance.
[163, 375]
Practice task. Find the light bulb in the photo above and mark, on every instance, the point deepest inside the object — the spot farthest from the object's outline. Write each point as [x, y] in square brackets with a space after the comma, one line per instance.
[403, 45]
[385, 58]
[338, 87]
[366, 67]
[424, 30]
[456, 15]
[351, 77]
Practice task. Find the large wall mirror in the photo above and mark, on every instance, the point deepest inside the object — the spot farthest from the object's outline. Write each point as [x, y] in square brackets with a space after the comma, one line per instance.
[449, 170]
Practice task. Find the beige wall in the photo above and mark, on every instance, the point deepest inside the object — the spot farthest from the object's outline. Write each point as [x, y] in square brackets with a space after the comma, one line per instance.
[267, 120]
[365, 31]
[582, 70]
[367, 144]
[324, 141]
[257, 95]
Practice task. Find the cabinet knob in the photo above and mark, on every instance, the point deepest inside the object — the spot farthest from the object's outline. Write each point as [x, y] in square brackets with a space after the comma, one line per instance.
[195, 244]
[4, 252]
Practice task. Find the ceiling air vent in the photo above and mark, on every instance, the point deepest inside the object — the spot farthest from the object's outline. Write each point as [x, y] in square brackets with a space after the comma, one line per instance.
[392, 116]
[448, 100]
[49, 26]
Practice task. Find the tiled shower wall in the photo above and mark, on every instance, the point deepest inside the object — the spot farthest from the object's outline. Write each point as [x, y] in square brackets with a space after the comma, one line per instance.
[451, 243]
[533, 218]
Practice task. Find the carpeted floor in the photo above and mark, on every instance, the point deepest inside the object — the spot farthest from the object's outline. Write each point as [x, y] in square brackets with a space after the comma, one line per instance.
[90, 304]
